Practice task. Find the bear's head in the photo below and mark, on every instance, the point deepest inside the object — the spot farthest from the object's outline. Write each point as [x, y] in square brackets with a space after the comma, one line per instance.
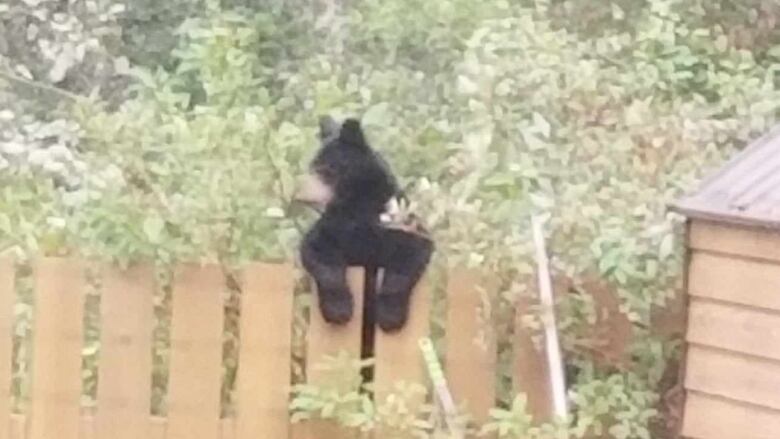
[346, 175]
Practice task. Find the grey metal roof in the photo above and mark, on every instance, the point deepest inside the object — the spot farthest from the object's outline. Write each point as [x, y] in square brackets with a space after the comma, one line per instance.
[745, 191]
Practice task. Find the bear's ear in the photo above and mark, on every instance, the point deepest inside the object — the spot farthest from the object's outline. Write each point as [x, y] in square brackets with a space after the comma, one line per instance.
[328, 127]
[352, 133]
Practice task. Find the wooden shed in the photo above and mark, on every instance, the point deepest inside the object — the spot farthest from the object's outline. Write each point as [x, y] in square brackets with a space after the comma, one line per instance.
[732, 372]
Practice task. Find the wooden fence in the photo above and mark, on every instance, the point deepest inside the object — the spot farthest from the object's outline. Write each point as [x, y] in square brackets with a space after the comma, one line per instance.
[122, 409]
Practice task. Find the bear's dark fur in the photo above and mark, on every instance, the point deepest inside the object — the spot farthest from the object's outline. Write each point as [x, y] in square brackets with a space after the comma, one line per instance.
[352, 186]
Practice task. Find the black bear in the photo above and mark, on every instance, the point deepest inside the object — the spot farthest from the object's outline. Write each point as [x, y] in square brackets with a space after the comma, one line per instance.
[357, 195]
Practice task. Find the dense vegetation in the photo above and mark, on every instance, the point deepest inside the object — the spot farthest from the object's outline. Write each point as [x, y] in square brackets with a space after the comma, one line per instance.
[173, 130]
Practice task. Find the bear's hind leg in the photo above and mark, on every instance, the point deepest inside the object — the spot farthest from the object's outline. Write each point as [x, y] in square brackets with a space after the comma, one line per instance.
[328, 268]
[404, 261]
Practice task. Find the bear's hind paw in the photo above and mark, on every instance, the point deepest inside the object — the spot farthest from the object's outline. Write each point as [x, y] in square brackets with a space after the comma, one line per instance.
[336, 311]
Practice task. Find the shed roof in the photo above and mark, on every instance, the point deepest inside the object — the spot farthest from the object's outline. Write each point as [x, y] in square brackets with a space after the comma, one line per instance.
[744, 191]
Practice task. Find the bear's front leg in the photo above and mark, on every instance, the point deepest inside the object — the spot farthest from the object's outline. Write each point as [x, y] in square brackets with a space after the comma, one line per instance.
[405, 257]
[327, 266]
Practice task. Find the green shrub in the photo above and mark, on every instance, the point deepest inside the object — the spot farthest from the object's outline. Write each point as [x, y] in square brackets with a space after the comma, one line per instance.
[489, 113]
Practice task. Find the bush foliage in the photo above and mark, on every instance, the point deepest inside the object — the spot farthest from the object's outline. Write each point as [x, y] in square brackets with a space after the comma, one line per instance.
[174, 131]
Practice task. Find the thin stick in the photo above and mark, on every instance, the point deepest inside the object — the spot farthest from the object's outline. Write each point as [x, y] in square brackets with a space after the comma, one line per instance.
[440, 387]
[554, 357]
[9, 76]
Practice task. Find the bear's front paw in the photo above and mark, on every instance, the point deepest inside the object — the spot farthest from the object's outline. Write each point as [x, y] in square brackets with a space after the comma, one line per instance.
[336, 310]
[392, 311]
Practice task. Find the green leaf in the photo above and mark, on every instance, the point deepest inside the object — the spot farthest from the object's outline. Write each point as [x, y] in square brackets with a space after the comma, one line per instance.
[533, 142]
[722, 43]
[617, 12]
[667, 247]
[328, 410]
[542, 125]
[153, 227]
[376, 115]
[299, 417]
[619, 431]
[542, 201]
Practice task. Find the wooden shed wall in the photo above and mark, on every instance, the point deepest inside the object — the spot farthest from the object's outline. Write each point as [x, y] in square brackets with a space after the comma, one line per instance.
[733, 361]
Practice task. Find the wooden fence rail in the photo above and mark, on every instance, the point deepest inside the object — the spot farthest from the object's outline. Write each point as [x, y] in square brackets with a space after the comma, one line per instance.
[122, 408]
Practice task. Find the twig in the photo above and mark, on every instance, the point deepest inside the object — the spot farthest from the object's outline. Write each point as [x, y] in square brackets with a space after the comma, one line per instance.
[40, 86]
[440, 388]
[554, 358]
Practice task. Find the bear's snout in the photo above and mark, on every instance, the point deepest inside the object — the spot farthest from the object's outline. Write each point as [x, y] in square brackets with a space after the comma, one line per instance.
[313, 191]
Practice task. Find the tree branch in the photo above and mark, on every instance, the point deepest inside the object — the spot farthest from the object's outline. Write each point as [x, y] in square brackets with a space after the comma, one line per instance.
[12, 77]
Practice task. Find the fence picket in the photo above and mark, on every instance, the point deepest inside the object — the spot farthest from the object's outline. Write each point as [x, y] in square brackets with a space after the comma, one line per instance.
[87, 428]
[398, 356]
[531, 374]
[471, 344]
[159, 428]
[325, 339]
[57, 343]
[125, 365]
[7, 297]
[17, 427]
[196, 353]
[266, 348]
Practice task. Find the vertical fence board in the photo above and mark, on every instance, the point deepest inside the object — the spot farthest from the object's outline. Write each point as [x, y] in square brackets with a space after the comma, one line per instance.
[196, 353]
[159, 428]
[57, 342]
[17, 427]
[471, 344]
[531, 374]
[125, 365]
[266, 349]
[298, 431]
[87, 427]
[7, 297]
[228, 429]
[398, 356]
[325, 339]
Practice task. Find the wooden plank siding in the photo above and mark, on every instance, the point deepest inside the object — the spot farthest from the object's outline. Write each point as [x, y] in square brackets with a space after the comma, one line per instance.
[734, 279]
[708, 417]
[739, 377]
[732, 373]
[748, 242]
[744, 330]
